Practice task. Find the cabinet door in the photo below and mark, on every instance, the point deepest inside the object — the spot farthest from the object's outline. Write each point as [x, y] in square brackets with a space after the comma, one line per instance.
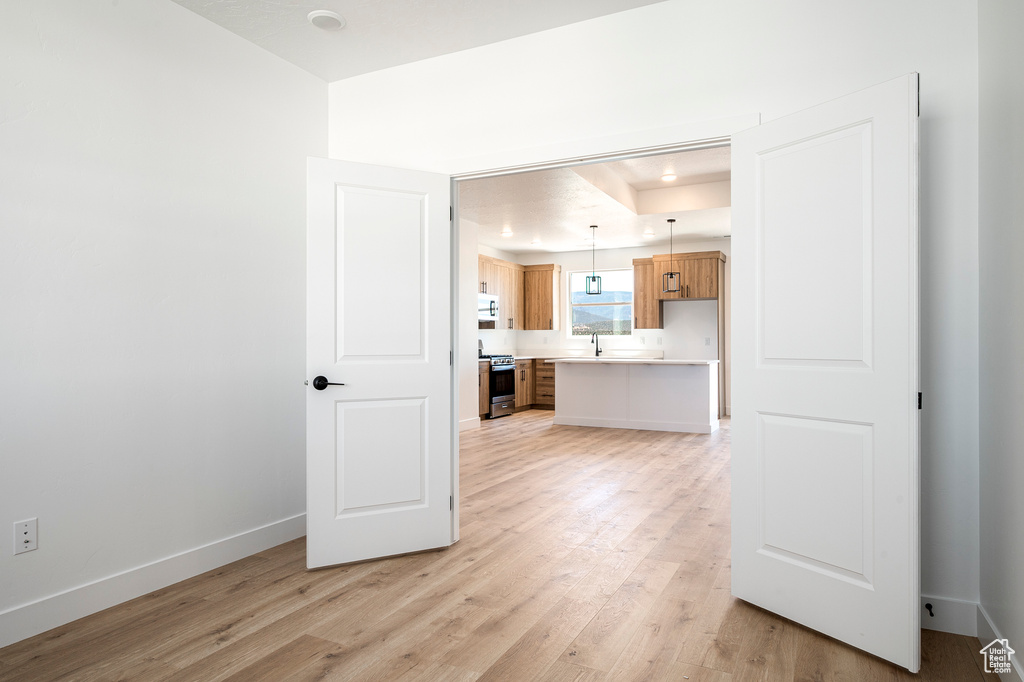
[487, 275]
[524, 383]
[662, 266]
[517, 296]
[541, 293]
[508, 298]
[484, 382]
[700, 278]
[647, 306]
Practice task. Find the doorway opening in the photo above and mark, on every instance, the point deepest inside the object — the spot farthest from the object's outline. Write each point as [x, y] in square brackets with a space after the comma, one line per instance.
[528, 217]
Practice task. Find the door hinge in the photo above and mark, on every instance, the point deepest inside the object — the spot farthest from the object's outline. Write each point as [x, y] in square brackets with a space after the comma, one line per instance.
[919, 400]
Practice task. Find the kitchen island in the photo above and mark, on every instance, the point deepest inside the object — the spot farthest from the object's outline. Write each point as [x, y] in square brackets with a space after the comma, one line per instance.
[637, 393]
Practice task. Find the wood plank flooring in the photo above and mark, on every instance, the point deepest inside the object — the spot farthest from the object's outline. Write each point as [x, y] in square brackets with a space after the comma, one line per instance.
[586, 555]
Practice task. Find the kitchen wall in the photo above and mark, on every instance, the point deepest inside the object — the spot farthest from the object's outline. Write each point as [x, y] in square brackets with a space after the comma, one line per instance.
[1002, 323]
[152, 260]
[675, 68]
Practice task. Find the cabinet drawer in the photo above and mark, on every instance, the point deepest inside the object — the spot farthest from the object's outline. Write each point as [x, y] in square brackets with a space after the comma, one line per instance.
[545, 371]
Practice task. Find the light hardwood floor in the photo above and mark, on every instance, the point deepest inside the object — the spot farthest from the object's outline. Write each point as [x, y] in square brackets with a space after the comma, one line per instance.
[586, 554]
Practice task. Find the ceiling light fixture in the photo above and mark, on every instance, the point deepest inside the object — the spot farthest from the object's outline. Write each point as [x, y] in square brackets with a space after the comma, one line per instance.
[593, 281]
[668, 177]
[536, 241]
[506, 231]
[326, 20]
[648, 231]
[670, 280]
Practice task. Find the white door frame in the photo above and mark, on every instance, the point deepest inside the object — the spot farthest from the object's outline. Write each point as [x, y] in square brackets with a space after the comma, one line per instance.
[699, 135]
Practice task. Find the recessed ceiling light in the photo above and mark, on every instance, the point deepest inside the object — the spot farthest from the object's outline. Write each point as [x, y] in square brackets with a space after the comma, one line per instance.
[668, 177]
[326, 19]
[536, 241]
[649, 232]
[506, 231]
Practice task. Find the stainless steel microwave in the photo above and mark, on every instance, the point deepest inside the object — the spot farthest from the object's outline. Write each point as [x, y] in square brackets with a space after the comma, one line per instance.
[487, 308]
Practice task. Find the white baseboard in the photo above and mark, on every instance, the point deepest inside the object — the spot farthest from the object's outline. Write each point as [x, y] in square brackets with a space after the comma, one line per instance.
[467, 424]
[950, 615]
[26, 620]
[988, 632]
[676, 427]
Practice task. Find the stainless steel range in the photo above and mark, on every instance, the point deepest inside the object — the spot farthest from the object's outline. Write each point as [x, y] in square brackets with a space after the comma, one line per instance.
[502, 385]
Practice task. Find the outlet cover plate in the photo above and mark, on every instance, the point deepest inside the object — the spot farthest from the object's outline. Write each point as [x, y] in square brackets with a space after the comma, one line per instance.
[26, 535]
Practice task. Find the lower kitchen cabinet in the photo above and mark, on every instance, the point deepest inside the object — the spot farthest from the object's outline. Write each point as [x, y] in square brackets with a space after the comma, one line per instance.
[484, 382]
[524, 384]
[544, 384]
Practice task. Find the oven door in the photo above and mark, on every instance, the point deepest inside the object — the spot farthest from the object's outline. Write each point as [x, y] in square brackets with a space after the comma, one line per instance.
[503, 383]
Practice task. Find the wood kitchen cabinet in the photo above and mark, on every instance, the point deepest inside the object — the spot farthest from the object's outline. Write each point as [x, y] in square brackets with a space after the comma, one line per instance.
[484, 382]
[544, 384]
[700, 274]
[541, 287]
[524, 384]
[647, 305]
[503, 279]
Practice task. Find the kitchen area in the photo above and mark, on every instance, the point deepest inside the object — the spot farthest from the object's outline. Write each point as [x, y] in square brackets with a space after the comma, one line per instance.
[601, 293]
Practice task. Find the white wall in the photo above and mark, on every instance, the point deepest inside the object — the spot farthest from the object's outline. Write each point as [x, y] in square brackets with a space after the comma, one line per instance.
[1002, 317]
[689, 61]
[152, 259]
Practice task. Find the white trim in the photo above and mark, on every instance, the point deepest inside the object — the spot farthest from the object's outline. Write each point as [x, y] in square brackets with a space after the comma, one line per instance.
[471, 423]
[950, 615]
[26, 620]
[988, 632]
[676, 427]
[621, 145]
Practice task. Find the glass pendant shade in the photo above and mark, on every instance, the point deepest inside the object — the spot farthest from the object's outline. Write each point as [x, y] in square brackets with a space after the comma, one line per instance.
[593, 284]
[670, 282]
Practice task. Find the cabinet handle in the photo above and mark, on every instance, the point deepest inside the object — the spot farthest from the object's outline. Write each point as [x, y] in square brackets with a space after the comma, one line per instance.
[550, 326]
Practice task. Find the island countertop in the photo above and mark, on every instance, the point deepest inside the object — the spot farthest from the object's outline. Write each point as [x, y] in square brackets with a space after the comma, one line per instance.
[631, 361]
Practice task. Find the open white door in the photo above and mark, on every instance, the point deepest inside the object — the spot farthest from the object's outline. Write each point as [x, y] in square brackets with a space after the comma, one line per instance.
[378, 446]
[825, 369]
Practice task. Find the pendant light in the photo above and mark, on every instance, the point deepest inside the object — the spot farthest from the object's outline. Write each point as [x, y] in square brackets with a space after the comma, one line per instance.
[593, 281]
[670, 280]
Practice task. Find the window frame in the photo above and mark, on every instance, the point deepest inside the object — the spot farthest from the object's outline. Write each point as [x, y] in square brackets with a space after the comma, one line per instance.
[571, 305]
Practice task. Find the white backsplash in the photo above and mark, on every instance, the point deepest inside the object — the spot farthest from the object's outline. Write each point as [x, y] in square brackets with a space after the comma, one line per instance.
[690, 333]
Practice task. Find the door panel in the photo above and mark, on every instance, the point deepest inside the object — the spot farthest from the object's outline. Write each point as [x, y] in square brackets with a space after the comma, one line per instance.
[379, 451]
[825, 522]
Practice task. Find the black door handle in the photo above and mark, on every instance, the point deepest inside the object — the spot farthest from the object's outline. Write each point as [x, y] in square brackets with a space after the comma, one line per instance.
[321, 382]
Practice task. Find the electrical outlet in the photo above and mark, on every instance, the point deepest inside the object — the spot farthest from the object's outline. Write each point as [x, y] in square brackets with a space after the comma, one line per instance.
[642, 340]
[707, 340]
[26, 535]
[659, 340]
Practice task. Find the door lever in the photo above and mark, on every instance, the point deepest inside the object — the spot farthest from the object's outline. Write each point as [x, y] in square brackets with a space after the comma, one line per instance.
[321, 382]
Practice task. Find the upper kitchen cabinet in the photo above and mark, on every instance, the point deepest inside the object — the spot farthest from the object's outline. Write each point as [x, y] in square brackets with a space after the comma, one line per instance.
[541, 285]
[647, 305]
[489, 276]
[503, 279]
[700, 274]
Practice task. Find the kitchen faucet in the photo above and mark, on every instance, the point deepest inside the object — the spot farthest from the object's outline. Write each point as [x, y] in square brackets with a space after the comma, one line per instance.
[597, 345]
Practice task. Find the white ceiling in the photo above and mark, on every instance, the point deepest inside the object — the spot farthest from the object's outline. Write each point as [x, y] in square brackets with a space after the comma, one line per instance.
[383, 33]
[558, 206]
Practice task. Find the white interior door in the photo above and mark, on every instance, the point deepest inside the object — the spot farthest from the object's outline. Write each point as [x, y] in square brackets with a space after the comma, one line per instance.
[378, 447]
[825, 369]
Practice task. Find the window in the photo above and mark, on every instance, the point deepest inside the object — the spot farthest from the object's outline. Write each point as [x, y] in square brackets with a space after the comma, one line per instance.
[610, 312]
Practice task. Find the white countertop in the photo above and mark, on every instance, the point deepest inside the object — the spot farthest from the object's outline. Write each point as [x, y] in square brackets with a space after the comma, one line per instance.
[631, 361]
